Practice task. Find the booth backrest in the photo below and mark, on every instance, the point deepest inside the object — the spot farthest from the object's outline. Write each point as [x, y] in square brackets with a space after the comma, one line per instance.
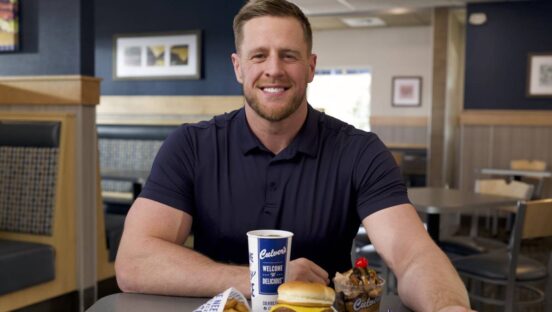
[129, 147]
[28, 173]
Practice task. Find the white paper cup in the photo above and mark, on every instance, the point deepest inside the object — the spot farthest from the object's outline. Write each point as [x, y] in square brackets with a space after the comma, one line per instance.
[269, 252]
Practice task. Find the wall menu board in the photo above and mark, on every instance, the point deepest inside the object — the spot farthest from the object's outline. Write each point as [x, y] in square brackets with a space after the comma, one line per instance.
[9, 25]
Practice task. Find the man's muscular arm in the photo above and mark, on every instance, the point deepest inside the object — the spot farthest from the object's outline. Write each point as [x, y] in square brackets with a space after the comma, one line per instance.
[427, 279]
[151, 258]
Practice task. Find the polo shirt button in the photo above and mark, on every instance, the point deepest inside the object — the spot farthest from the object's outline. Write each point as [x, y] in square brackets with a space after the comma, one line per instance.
[267, 211]
[273, 186]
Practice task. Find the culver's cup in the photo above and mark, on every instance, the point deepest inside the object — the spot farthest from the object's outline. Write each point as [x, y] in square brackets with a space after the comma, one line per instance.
[269, 252]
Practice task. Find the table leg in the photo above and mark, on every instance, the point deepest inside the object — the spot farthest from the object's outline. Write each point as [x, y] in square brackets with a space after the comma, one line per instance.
[433, 221]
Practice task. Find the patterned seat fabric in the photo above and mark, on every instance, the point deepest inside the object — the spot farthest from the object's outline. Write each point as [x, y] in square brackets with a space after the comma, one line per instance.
[27, 184]
[125, 154]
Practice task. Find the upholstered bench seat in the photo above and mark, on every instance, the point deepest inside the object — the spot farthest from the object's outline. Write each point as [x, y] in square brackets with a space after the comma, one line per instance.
[24, 264]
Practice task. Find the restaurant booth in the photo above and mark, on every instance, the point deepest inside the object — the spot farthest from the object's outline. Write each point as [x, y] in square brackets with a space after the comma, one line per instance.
[52, 233]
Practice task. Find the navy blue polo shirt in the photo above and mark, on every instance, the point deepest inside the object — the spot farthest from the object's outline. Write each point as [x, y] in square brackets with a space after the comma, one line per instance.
[320, 187]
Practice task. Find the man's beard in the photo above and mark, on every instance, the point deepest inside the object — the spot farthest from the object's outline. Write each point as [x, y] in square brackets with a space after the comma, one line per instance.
[274, 114]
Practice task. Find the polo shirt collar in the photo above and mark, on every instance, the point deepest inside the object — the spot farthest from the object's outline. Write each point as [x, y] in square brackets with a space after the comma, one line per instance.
[305, 142]
[247, 140]
[307, 139]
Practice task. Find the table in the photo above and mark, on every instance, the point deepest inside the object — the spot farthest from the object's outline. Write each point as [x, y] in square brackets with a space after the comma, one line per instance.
[146, 303]
[436, 201]
[136, 177]
[518, 174]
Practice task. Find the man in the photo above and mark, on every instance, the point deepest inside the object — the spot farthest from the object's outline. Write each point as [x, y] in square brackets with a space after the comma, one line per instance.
[276, 163]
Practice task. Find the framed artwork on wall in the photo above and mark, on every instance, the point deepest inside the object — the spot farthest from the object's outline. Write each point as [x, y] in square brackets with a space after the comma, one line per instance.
[539, 75]
[175, 55]
[9, 25]
[406, 91]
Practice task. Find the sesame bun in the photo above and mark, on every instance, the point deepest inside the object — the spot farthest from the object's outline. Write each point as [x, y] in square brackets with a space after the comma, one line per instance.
[306, 294]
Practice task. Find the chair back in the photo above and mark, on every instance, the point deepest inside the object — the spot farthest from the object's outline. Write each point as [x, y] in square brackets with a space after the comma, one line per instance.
[515, 189]
[398, 156]
[532, 221]
[524, 164]
[538, 217]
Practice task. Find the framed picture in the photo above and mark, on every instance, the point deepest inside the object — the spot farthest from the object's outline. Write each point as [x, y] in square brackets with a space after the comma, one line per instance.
[174, 55]
[9, 25]
[539, 75]
[407, 91]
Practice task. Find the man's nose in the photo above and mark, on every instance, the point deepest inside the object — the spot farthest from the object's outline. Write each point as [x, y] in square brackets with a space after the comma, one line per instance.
[274, 67]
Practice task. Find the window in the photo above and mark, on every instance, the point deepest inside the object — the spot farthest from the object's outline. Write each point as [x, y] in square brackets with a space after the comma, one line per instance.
[343, 94]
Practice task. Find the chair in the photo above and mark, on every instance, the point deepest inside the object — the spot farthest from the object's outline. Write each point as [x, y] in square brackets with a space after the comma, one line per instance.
[531, 165]
[474, 244]
[524, 164]
[508, 267]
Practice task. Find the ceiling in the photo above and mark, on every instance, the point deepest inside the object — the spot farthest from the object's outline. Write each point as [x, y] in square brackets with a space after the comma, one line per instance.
[339, 14]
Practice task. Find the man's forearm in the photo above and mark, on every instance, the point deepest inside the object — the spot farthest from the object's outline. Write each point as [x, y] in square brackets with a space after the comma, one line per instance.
[430, 282]
[156, 266]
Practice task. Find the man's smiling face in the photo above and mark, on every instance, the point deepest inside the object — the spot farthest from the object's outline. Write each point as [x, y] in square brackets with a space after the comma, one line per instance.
[274, 66]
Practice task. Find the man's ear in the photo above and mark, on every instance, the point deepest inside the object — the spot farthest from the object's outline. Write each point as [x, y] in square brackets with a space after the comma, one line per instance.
[237, 67]
[312, 66]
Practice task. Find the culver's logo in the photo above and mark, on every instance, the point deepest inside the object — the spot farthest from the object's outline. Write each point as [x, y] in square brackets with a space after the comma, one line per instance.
[272, 253]
[360, 304]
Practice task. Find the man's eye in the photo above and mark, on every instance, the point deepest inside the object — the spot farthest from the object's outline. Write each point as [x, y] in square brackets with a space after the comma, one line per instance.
[290, 57]
[257, 56]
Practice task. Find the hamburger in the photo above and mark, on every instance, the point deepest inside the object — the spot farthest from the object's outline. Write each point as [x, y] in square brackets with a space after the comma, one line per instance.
[299, 296]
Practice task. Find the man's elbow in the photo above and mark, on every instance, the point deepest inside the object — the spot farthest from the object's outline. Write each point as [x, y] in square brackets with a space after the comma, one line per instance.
[126, 275]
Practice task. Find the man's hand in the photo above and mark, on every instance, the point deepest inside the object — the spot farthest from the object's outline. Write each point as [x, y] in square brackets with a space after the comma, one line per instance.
[303, 269]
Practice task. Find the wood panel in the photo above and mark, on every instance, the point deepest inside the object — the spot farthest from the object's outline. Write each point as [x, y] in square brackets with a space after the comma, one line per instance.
[50, 90]
[475, 152]
[494, 146]
[436, 154]
[415, 121]
[506, 118]
[401, 130]
[163, 109]
[401, 135]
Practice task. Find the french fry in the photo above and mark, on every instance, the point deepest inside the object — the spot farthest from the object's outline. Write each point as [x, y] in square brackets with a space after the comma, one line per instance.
[230, 303]
[241, 307]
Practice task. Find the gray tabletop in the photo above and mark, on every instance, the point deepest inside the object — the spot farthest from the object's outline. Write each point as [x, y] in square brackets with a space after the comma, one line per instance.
[514, 172]
[436, 201]
[142, 303]
[518, 174]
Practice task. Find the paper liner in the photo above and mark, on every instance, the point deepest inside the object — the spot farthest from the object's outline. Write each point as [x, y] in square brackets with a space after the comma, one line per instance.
[217, 303]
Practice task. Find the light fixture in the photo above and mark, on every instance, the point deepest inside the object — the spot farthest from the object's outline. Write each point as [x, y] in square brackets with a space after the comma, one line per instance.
[477, 19]
[398, 11]
[363, 21]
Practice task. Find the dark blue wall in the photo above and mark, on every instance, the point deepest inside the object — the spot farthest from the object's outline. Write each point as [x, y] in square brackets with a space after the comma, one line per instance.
[56, 39]
[212, 17]
[497, 53]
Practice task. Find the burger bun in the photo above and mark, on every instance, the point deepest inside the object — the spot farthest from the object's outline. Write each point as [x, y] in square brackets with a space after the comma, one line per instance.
[306, 294]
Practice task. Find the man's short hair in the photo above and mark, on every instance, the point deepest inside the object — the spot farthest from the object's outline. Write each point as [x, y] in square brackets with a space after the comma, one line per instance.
[280, 8]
